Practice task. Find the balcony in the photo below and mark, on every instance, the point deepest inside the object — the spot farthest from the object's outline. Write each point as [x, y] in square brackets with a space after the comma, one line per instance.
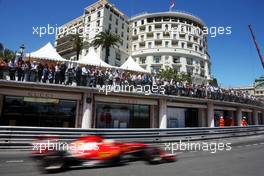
[158, 43]
[150, 35]
[182, 36]
[166, 34]
[158, 19]
[189, 45]
[142, 28]
[175, 43]
[158, 26]
[135, 37]
[142, 45]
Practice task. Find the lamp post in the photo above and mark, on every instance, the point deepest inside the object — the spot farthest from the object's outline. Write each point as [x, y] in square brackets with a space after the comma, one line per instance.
[21, 50]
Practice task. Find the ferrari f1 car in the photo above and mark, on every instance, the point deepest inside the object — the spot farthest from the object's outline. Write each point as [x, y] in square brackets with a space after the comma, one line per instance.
[94, 151]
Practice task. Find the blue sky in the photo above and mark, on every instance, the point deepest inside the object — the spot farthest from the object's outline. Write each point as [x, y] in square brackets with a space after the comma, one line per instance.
[235, 61]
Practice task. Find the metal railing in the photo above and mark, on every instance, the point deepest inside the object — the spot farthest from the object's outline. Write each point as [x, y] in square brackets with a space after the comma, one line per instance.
[12, 137]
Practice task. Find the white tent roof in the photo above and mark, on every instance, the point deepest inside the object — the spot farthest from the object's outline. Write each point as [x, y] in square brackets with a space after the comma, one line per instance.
[130, 64]
[93, 59]
[47, 52]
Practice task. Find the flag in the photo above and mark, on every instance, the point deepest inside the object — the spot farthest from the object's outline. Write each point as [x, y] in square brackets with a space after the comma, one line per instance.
[172, 4]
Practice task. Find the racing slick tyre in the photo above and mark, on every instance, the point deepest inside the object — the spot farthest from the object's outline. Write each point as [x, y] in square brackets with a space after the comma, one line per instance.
[52, 164]
[152, 155]
[119, 160]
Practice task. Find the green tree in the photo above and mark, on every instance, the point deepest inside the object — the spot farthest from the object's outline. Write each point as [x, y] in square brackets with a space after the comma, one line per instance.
[1, 47]
[213, 82]
[186, 77]
[7, 54]
[106, 40]
[78, 44]
[168, 74]
[171, 73]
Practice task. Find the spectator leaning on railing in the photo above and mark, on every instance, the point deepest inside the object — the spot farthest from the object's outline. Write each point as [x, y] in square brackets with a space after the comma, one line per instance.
[59, 73]
[3, 68]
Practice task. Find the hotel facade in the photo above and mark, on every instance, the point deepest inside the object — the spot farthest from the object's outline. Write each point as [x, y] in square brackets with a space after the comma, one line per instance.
[98, 17]
[171, 40]
[155, 40]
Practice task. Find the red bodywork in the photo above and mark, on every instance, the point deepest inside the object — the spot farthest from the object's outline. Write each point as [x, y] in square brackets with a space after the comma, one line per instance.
[97, 150]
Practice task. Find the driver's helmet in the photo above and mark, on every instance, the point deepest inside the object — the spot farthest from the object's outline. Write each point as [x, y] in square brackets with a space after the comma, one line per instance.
[108, 141]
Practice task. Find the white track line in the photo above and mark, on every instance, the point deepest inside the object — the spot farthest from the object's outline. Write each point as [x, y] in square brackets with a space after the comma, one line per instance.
[15, 161]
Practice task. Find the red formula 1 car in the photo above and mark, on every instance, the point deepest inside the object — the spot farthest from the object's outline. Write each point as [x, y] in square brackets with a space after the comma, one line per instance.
[92, 151]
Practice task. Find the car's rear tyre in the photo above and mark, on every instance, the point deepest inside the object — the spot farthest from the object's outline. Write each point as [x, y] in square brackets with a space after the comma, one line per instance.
[119, 160]
[152, 155]
[53, 164]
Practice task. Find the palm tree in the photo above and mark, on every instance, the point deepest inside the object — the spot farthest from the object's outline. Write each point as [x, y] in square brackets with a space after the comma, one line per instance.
[106, 40]
[78, 44]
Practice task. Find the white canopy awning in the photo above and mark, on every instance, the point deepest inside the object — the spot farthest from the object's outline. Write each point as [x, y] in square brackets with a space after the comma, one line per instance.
[47, 52]
[93, 59]
[131, 65]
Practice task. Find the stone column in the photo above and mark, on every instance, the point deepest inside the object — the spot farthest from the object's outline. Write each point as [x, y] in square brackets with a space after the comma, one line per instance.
[250, 118]
[262, 117]
[255, 117]
[210, 114]
[87, 111]
[239, 117]
[152, 116]
[206, 66]
[231, 115]
[162, 114]
[202, 118]
[1, 104]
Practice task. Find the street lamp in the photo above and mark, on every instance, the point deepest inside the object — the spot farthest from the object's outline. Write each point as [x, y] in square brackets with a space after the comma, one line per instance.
[21, 49]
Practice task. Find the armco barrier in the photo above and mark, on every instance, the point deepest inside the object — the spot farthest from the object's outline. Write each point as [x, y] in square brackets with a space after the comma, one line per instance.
[12, 137]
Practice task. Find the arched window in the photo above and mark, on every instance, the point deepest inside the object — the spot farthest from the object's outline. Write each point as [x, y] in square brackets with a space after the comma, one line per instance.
[166, 27]
[135, 32]
[150, 28]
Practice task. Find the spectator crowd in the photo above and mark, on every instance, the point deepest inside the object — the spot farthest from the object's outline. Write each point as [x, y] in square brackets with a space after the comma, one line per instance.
[89, 76]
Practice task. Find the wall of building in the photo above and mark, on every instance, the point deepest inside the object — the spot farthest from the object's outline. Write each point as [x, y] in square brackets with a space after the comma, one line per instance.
[98, 17]
[139, 110]
[156, 44]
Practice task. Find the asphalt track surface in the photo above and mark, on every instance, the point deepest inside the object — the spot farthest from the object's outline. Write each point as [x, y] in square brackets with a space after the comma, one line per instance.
[246, 158]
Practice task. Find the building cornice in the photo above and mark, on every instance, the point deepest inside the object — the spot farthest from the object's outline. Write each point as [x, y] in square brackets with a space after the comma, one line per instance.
[171, 14]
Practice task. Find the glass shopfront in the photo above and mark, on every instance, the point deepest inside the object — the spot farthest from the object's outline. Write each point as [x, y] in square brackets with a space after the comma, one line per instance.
[39, 112]
[227, 115]
[122, 116]
[249, 117]
[182, 117]
[260, 119]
